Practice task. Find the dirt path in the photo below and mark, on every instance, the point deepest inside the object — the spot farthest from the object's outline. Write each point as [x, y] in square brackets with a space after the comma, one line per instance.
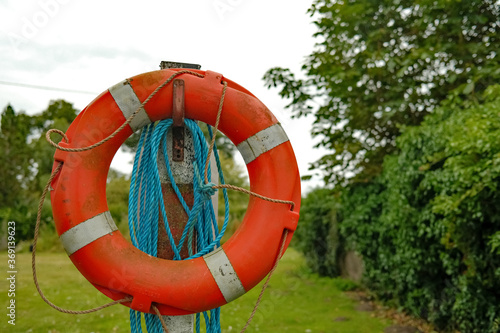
[402, 323]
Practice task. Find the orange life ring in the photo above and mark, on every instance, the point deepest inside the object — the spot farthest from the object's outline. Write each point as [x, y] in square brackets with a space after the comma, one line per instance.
[116, 267]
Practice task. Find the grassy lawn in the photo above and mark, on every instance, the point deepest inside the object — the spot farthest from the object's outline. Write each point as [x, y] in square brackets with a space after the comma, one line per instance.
[295, 301]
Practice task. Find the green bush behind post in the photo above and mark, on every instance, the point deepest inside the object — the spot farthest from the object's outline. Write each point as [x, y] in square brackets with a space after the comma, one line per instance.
[428, 227]
[318, 233]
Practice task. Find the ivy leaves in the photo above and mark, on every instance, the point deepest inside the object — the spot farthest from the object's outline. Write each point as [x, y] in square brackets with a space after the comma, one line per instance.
[433, 216]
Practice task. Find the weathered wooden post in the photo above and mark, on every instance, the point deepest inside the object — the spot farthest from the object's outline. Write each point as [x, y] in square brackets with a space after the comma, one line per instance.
[180, 150]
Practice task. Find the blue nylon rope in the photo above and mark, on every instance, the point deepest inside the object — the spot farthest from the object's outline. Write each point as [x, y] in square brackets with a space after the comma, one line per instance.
[145, 197]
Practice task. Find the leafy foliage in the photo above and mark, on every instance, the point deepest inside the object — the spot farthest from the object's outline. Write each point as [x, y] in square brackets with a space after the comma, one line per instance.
[238, 201]
[318, 233]
[404, 96]
[379, 65]
[117, 189]
[427, 227]
[26, 162]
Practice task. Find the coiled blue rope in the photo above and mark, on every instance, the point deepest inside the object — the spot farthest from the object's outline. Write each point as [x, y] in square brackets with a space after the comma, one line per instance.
[145, 196]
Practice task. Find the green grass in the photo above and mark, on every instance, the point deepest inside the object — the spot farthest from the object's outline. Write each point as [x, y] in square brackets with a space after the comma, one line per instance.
[295, 301]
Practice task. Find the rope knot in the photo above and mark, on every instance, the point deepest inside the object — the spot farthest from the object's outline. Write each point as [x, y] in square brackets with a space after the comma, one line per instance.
[207, 190]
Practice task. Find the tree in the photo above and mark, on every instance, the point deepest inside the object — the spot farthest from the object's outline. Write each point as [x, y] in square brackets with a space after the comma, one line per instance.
[14, 166]
[380, 65]
[26, 162]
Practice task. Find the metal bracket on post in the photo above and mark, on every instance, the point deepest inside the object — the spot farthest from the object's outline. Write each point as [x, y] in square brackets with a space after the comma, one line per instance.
[178, 119]
[178, 109]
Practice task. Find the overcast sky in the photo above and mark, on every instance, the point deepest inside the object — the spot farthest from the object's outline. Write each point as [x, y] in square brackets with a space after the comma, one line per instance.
[91, 45]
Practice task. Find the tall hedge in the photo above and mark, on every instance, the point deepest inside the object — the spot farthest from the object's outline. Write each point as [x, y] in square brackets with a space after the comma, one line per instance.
[428, 228]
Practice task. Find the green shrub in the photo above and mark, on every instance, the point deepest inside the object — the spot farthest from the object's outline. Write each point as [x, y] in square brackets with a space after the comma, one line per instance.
[428, 227]
[317, 235]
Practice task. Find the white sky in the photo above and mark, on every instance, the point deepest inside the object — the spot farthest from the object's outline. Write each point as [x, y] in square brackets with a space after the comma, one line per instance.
[91, 45]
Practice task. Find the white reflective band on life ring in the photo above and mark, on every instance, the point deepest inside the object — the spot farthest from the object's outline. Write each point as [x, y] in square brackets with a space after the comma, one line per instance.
[262, 142]
[126, 99]
[224, 274]
[88, 231]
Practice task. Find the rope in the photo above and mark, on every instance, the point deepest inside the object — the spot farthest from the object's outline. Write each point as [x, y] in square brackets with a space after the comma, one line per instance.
[119, 129]
[33, 256]
[58, 169]
[240, 189]
[146, 205]
[216, 128]
[207, 190]
[227, 186]
[264, 287]
[232, 187]
[163, 323]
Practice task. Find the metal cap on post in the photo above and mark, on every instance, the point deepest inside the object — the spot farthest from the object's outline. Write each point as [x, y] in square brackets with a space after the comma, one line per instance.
[174, 64]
